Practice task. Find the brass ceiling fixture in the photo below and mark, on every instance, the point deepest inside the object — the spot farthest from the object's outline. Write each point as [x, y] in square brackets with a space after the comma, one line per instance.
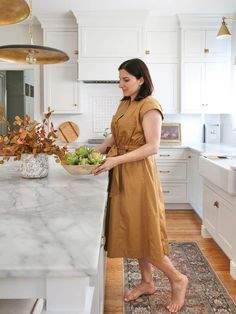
[14, 12]
[224, 31]
[32, 54]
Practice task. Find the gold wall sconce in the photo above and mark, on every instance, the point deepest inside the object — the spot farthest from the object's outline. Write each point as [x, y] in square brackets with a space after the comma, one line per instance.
[224, 31]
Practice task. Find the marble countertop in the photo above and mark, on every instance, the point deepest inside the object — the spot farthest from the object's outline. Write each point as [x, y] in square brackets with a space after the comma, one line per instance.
[50, 226]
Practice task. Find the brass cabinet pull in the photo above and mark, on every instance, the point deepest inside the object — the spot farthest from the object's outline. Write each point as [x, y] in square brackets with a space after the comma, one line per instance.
[76, 52]
[216, 204]
[164, 171]
[147, 52]
[206, 50]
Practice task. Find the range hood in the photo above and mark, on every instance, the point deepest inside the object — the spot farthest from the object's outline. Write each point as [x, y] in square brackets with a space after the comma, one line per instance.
[106, 39]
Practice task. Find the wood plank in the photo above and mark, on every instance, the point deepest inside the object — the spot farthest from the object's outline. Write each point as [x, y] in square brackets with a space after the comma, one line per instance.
[182, 225]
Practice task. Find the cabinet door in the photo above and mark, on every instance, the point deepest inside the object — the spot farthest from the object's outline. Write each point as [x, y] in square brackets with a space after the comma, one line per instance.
[215, 85]
[216, 47]
[203, 43]
[193, 43]
[161, 44]
[61, 88]
[195, 185]
[113, 42]
[63, 40]
[226, 227]
[165, 77]
[210, 210]
[192, 88]
[205, 87]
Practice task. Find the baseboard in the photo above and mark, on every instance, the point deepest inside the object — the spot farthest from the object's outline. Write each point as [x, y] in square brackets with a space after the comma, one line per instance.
[174, 206]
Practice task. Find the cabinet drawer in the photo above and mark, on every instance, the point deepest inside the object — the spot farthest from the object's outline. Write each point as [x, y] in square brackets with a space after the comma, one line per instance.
[174, 192]
[172, 171]
[166, 154]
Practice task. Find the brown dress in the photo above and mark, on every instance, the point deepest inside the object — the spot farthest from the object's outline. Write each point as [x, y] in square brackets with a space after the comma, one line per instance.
[135, 220]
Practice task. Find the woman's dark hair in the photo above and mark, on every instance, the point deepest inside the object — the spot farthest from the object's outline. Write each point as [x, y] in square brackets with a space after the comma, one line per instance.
[138, 68]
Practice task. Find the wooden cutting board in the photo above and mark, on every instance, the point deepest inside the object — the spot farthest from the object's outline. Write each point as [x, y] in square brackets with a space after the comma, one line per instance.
[68, 131]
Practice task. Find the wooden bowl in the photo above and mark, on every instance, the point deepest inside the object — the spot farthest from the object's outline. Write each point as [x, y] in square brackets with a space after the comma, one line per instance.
[78, 170]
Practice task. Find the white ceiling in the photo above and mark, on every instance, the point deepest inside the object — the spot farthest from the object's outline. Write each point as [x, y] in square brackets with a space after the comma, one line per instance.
[162, 7]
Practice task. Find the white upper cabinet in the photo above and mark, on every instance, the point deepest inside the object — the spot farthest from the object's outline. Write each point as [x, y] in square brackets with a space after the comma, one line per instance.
[205, 67]
[61, 80]
[161, 53]
[205, 88]
[61, 88]
[110, 42]
[203, 43]
[165, 81]
[66, 41]
[162, 44]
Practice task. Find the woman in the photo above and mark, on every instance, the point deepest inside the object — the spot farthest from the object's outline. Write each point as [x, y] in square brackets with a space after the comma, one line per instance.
[135, 221]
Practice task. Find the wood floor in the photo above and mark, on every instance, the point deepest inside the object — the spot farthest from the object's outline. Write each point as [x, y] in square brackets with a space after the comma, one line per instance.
[182, 226]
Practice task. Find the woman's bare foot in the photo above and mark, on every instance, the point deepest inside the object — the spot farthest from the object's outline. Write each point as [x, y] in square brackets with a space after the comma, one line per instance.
[143, 288]
[179, 288]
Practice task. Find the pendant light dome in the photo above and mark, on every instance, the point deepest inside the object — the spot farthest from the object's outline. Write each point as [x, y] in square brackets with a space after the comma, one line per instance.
[14, 11]
[30, 53]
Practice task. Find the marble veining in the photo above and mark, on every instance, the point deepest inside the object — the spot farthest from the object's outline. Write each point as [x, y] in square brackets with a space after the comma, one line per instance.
[50, 226]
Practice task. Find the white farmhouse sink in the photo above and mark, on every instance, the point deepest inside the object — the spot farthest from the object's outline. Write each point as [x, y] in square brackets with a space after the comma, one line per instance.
[220, 171]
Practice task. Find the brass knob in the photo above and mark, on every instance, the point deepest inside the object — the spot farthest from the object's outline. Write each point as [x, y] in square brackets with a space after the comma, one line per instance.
[147, 52]
[206, 50]
[216, 204]
[76, 52]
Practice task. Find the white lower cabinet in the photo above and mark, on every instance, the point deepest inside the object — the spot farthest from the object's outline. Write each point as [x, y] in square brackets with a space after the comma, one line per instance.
[195, 184]
[172, 166]
[219, 220]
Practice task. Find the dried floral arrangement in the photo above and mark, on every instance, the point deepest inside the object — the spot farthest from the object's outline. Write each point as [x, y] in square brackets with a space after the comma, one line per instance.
[31, 137]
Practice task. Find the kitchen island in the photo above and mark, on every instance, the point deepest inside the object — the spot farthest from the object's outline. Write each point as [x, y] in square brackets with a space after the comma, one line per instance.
[51, 231]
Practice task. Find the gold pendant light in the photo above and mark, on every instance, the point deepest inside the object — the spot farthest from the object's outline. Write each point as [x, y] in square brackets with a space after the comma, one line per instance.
[32, 54]
[12, 12]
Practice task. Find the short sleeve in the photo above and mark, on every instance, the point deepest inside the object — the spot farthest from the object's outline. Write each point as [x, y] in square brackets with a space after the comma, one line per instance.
[149, 104]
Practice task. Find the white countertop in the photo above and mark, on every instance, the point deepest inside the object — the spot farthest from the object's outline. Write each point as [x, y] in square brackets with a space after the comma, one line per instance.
[50, 226]
[204, 148]
[198, 147]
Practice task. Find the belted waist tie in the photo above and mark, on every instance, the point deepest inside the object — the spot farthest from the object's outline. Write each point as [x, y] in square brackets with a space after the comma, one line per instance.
[120, 150]
[115, 176]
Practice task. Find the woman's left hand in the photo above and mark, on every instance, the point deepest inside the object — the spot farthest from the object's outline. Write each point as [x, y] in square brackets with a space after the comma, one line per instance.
[108, 164]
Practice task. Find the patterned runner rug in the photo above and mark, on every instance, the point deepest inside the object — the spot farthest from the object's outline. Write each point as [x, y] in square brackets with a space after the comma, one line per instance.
[206, 294]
